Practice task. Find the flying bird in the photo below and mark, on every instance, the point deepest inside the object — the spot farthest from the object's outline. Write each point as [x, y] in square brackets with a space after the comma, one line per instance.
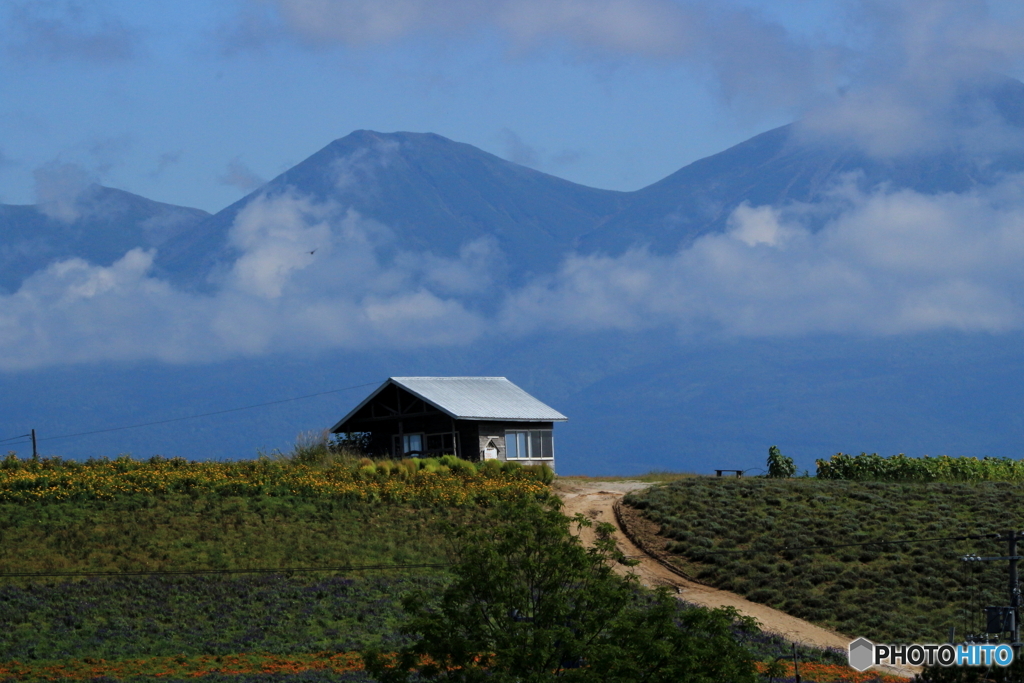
[313, 252]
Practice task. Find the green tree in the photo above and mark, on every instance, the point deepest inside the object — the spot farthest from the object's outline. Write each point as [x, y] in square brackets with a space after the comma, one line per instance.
[779, 465]
[529, 603]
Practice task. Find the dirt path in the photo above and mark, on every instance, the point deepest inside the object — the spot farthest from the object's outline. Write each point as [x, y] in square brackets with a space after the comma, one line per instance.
[596, 501]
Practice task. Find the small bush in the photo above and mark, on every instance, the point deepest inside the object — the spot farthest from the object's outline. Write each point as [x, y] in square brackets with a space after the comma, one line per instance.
[544, 473]
[779, 465]
[460, 466]
[491, 467]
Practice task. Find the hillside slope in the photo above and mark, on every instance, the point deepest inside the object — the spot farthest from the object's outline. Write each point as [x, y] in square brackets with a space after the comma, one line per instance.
[99, 226]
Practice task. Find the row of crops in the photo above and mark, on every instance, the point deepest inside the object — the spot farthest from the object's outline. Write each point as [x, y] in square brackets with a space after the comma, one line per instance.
[817, 549]
[235, 629]
[172, 515]
[446, 481]
[873, 467]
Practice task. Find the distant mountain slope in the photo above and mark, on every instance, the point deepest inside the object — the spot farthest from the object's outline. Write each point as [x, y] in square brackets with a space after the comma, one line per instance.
[107, 223]
[435, 194]
[784, 165]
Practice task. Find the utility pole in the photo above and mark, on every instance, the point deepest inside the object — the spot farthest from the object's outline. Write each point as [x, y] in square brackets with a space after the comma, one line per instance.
[1012, 538]
[35, 453]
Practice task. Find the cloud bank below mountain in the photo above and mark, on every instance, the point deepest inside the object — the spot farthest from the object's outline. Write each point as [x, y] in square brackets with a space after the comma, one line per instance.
[876, 263]
[315, 276]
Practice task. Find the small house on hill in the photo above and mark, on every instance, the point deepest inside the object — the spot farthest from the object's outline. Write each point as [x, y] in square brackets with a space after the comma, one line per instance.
[474, 418]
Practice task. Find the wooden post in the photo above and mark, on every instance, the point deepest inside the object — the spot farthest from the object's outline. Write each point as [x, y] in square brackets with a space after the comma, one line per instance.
[35, 453]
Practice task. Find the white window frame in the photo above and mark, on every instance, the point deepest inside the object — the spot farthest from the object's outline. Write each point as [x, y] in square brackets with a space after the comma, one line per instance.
[513, 433]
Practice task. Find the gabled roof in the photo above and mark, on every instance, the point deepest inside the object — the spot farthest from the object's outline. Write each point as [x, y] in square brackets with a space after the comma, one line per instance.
[471, 398]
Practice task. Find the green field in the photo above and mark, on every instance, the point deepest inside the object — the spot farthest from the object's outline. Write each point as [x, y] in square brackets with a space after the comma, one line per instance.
[181, 532]
[730, 533]
[130, 517]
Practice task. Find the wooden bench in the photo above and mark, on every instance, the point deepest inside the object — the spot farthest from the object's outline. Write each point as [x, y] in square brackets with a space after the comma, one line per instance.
[739, 473]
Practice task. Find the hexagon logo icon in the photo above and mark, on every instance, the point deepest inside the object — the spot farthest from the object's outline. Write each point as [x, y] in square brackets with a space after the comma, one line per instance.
[862, 654]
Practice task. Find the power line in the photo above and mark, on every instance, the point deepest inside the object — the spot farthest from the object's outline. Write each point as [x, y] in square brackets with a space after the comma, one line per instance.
[13, 438]
[193, 417]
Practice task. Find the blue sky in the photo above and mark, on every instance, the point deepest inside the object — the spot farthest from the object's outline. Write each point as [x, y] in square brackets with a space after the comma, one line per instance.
[196, 103]
[193, 102]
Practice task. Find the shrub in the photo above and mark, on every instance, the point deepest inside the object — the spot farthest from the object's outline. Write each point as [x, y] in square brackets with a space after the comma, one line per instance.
[491, 467]
[779, 465]
[464, 467]
[544, 473]
[311, 448]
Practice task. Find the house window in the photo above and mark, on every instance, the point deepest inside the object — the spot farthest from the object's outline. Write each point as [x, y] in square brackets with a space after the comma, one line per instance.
[408, 444]
[441, 444]
[536, 444]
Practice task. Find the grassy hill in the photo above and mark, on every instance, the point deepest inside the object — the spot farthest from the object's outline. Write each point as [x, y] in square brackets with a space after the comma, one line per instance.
[183, 518]
[163, 527]
[790, 544]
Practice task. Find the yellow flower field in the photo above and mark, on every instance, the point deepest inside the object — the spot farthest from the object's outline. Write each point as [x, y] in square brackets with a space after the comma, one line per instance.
[426, 482]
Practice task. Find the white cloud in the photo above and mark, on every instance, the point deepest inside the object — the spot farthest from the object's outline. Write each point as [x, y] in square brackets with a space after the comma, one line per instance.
[276, 296]
[885, 263]
[358, 169]
[59, 188]
[654, 27]
[56, 30]
[517, 150]
[749, 54]
[923, 79]
[237, 174]
[882, 262]
[892, 80]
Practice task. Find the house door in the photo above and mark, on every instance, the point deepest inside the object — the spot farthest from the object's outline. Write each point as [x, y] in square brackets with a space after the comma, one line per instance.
[491, 450]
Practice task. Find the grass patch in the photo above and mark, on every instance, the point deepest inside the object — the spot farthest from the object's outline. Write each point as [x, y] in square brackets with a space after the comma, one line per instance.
[889, 593]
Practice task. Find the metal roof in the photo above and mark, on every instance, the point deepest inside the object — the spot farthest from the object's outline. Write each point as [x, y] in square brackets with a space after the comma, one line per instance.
[471, 398]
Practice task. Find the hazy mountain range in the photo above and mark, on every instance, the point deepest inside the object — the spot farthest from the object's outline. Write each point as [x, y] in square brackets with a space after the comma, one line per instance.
[637, 398]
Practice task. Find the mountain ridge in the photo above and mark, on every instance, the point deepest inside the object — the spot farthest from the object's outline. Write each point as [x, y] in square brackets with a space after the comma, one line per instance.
[105, 223]
[454, 193]
[436, 195]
